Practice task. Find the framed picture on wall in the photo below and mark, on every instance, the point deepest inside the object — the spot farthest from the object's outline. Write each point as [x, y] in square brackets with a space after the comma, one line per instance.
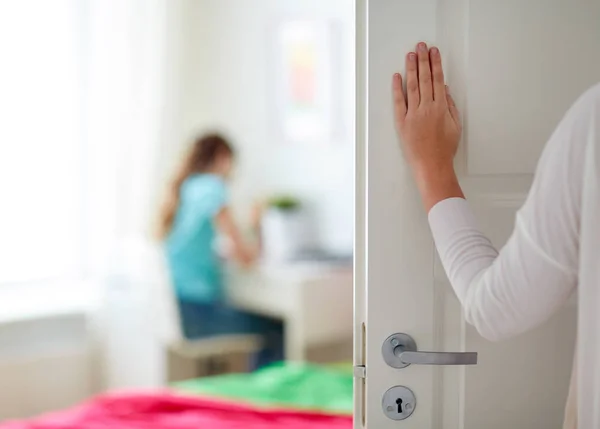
[307, 78]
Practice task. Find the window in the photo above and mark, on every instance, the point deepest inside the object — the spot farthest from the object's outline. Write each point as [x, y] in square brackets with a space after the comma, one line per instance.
[41, 140]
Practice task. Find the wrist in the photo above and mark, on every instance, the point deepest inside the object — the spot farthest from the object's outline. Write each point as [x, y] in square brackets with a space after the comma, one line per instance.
[431, 172]
[437, 182]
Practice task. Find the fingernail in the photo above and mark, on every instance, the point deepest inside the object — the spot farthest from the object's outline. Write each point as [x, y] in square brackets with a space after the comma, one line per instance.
[422, 47]
[434, 51]
[412, 56]
[447, 89]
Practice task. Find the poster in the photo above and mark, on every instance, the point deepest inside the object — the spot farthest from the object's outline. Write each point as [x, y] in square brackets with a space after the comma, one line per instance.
[306, 94]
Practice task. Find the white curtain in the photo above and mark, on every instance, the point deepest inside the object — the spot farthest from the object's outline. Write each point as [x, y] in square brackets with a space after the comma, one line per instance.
[40, 141]
[128, 113]
[87, 97]
[126, 93]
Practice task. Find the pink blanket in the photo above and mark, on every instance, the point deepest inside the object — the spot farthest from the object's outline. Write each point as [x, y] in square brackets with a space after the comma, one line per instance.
[165, 410]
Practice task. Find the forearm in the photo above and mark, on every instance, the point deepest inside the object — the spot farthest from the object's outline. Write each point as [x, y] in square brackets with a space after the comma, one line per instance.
[497, 290]
[242, 251]
[437, 183]
[258, 240]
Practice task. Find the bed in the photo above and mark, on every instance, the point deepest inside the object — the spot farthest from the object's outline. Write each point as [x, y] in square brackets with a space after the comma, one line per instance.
[291, 396]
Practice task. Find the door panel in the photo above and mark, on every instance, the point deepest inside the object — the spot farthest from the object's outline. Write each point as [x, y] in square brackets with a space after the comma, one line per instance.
[523, 50]
[527, 387]
[509, 108]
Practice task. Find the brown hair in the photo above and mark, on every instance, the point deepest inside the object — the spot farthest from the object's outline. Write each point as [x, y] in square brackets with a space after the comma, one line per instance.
[200, 159]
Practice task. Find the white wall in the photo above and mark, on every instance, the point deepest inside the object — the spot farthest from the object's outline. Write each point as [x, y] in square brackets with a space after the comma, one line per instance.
[225, 85]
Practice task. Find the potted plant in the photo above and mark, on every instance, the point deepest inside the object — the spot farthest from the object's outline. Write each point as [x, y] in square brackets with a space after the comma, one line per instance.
[284, 203]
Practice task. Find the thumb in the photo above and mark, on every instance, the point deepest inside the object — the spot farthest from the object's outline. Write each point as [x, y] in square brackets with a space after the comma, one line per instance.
[452, 106]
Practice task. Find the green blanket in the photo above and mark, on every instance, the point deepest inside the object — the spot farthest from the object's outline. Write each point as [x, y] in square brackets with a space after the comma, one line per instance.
[290, 385]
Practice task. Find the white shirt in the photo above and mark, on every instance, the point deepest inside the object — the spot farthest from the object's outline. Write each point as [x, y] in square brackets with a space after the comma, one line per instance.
[554, 249]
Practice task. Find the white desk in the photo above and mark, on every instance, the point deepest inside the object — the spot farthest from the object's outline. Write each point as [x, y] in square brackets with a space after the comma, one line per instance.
[314, 301]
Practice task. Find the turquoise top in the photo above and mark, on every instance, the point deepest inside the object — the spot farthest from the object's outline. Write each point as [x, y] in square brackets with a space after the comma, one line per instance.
[190, 246]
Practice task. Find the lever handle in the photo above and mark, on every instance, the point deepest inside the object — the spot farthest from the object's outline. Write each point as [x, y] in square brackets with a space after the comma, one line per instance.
[436, 358]
[400, 351]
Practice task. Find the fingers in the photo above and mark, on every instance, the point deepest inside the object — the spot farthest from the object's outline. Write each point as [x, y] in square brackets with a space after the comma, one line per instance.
[399, 99]
[424, 77]
[437, 73]
[424, 70]
[452, 106]
[412, 81]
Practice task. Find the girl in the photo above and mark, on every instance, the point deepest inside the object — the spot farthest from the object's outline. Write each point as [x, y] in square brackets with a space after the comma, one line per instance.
[195, 209]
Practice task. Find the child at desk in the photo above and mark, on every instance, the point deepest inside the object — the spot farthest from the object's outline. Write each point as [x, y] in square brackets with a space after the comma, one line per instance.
[195, 210]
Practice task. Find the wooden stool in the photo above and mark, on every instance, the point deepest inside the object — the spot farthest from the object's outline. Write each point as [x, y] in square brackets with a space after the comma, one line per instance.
[211, 356]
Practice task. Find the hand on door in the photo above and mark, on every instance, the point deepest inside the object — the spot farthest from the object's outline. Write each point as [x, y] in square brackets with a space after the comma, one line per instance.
[428, 124]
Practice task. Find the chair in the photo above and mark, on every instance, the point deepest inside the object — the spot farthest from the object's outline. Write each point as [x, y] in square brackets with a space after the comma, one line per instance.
[208, 351]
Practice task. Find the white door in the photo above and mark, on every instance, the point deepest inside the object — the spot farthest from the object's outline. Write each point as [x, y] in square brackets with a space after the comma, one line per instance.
[514, 67]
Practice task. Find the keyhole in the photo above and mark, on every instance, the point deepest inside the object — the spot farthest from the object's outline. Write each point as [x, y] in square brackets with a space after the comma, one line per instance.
[399, 403]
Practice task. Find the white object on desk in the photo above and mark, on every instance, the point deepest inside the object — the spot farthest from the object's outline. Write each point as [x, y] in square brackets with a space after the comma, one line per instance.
[314, 301]
[285, 233]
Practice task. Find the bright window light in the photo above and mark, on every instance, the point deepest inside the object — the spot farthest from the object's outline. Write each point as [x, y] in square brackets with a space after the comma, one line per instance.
[41, 140]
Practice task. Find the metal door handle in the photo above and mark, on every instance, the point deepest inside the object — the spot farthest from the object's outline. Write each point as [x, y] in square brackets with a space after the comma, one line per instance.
[436, 358]
[400, 351]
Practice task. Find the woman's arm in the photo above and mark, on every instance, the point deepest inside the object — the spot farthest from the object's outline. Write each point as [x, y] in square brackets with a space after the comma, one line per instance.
[504, 293]
[244, 253]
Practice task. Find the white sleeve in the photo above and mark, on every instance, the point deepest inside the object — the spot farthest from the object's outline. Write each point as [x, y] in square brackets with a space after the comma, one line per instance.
[504, 294]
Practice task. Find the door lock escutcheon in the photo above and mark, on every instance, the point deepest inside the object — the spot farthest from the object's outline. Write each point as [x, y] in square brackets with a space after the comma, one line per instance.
[400, 351]
[398, 403]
